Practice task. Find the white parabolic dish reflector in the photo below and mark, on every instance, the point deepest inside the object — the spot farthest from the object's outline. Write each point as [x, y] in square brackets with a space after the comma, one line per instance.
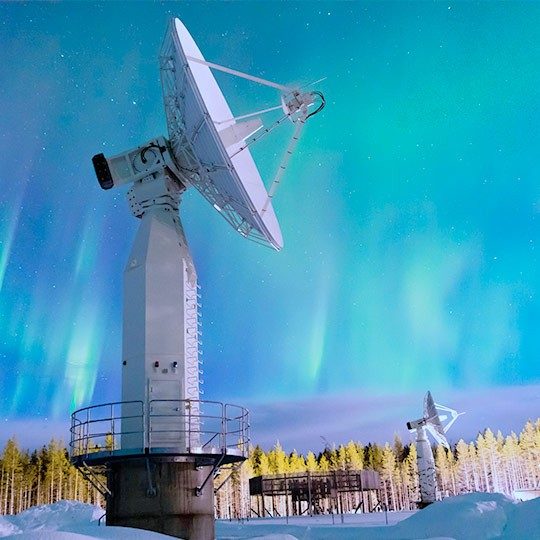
[197, 112]
[433, 421]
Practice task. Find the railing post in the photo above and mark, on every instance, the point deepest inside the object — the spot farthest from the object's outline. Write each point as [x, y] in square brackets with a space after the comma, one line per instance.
[223, 428]
[145, 424]
[112, 429]
[71, 437]
[87, 427]
[188, 405]
[246, 426]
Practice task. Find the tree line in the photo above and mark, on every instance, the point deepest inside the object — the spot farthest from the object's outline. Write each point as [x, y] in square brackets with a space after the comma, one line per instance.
[40, 477]
[491, 463]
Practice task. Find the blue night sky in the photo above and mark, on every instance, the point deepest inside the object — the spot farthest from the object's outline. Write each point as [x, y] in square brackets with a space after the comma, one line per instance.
[409, 213]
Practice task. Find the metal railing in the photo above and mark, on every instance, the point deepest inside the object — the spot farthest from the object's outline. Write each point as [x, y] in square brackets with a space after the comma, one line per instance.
[163, 426]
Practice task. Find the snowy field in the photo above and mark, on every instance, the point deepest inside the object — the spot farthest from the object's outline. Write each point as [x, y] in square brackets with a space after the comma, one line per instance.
[475, 516]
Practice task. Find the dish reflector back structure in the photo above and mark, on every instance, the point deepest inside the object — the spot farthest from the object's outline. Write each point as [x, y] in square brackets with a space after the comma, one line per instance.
[433, 421]
[198, 120]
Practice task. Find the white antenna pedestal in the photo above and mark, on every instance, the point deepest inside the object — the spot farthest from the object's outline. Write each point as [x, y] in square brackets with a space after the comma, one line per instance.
[161, 445]
[431, 421]
[160, 359]
[426, 468]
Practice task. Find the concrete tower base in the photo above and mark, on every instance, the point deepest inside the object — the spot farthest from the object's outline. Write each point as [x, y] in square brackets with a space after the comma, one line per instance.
[160, 495]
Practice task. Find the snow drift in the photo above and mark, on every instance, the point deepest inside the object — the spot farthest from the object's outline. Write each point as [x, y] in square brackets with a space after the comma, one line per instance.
[66, 520]
[475, 516]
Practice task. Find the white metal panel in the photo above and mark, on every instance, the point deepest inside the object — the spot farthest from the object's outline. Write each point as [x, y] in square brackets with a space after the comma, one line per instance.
[239, 132]
[194, 101]
[160, 331]
[433, 421]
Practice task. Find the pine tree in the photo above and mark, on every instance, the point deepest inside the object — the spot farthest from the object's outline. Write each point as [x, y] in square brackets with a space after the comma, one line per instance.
[388, 474]
[475, 468]
[341, 458]
[11, 460]
[452, 467]
[399, 449]
[296, 463]
[511, 463]
[259, 461]
[444, 470]
[374, 457]
[354, 456]
[324, 464]
[278, 462]
[464, 470]
[410, 465]
[529, 444]
[311, 462]
[333, 458]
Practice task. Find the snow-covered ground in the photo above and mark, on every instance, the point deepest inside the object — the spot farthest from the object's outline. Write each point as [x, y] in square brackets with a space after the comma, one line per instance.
[67, 520]
[475, 516]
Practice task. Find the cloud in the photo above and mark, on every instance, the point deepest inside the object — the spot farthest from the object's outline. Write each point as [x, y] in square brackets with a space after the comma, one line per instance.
[302, 424]
[33, 433]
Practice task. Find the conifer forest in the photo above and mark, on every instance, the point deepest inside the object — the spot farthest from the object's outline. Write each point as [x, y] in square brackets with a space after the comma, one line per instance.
[491, 463]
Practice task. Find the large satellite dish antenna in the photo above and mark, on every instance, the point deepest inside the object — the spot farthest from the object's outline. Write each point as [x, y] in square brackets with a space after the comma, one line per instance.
[161, 416]
[437, 424]
[208, 147]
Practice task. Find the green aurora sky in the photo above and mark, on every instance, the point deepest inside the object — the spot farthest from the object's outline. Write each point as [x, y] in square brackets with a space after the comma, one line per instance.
[409, 213]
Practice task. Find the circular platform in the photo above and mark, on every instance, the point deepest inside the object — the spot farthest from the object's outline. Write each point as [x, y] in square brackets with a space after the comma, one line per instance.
[207, 432]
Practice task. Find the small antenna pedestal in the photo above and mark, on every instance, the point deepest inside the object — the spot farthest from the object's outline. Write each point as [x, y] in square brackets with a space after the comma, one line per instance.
[426, 468]
[430, 421]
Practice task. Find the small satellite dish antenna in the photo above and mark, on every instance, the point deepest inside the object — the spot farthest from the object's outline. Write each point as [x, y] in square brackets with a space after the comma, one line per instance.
[431, 421]
[207, 148]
